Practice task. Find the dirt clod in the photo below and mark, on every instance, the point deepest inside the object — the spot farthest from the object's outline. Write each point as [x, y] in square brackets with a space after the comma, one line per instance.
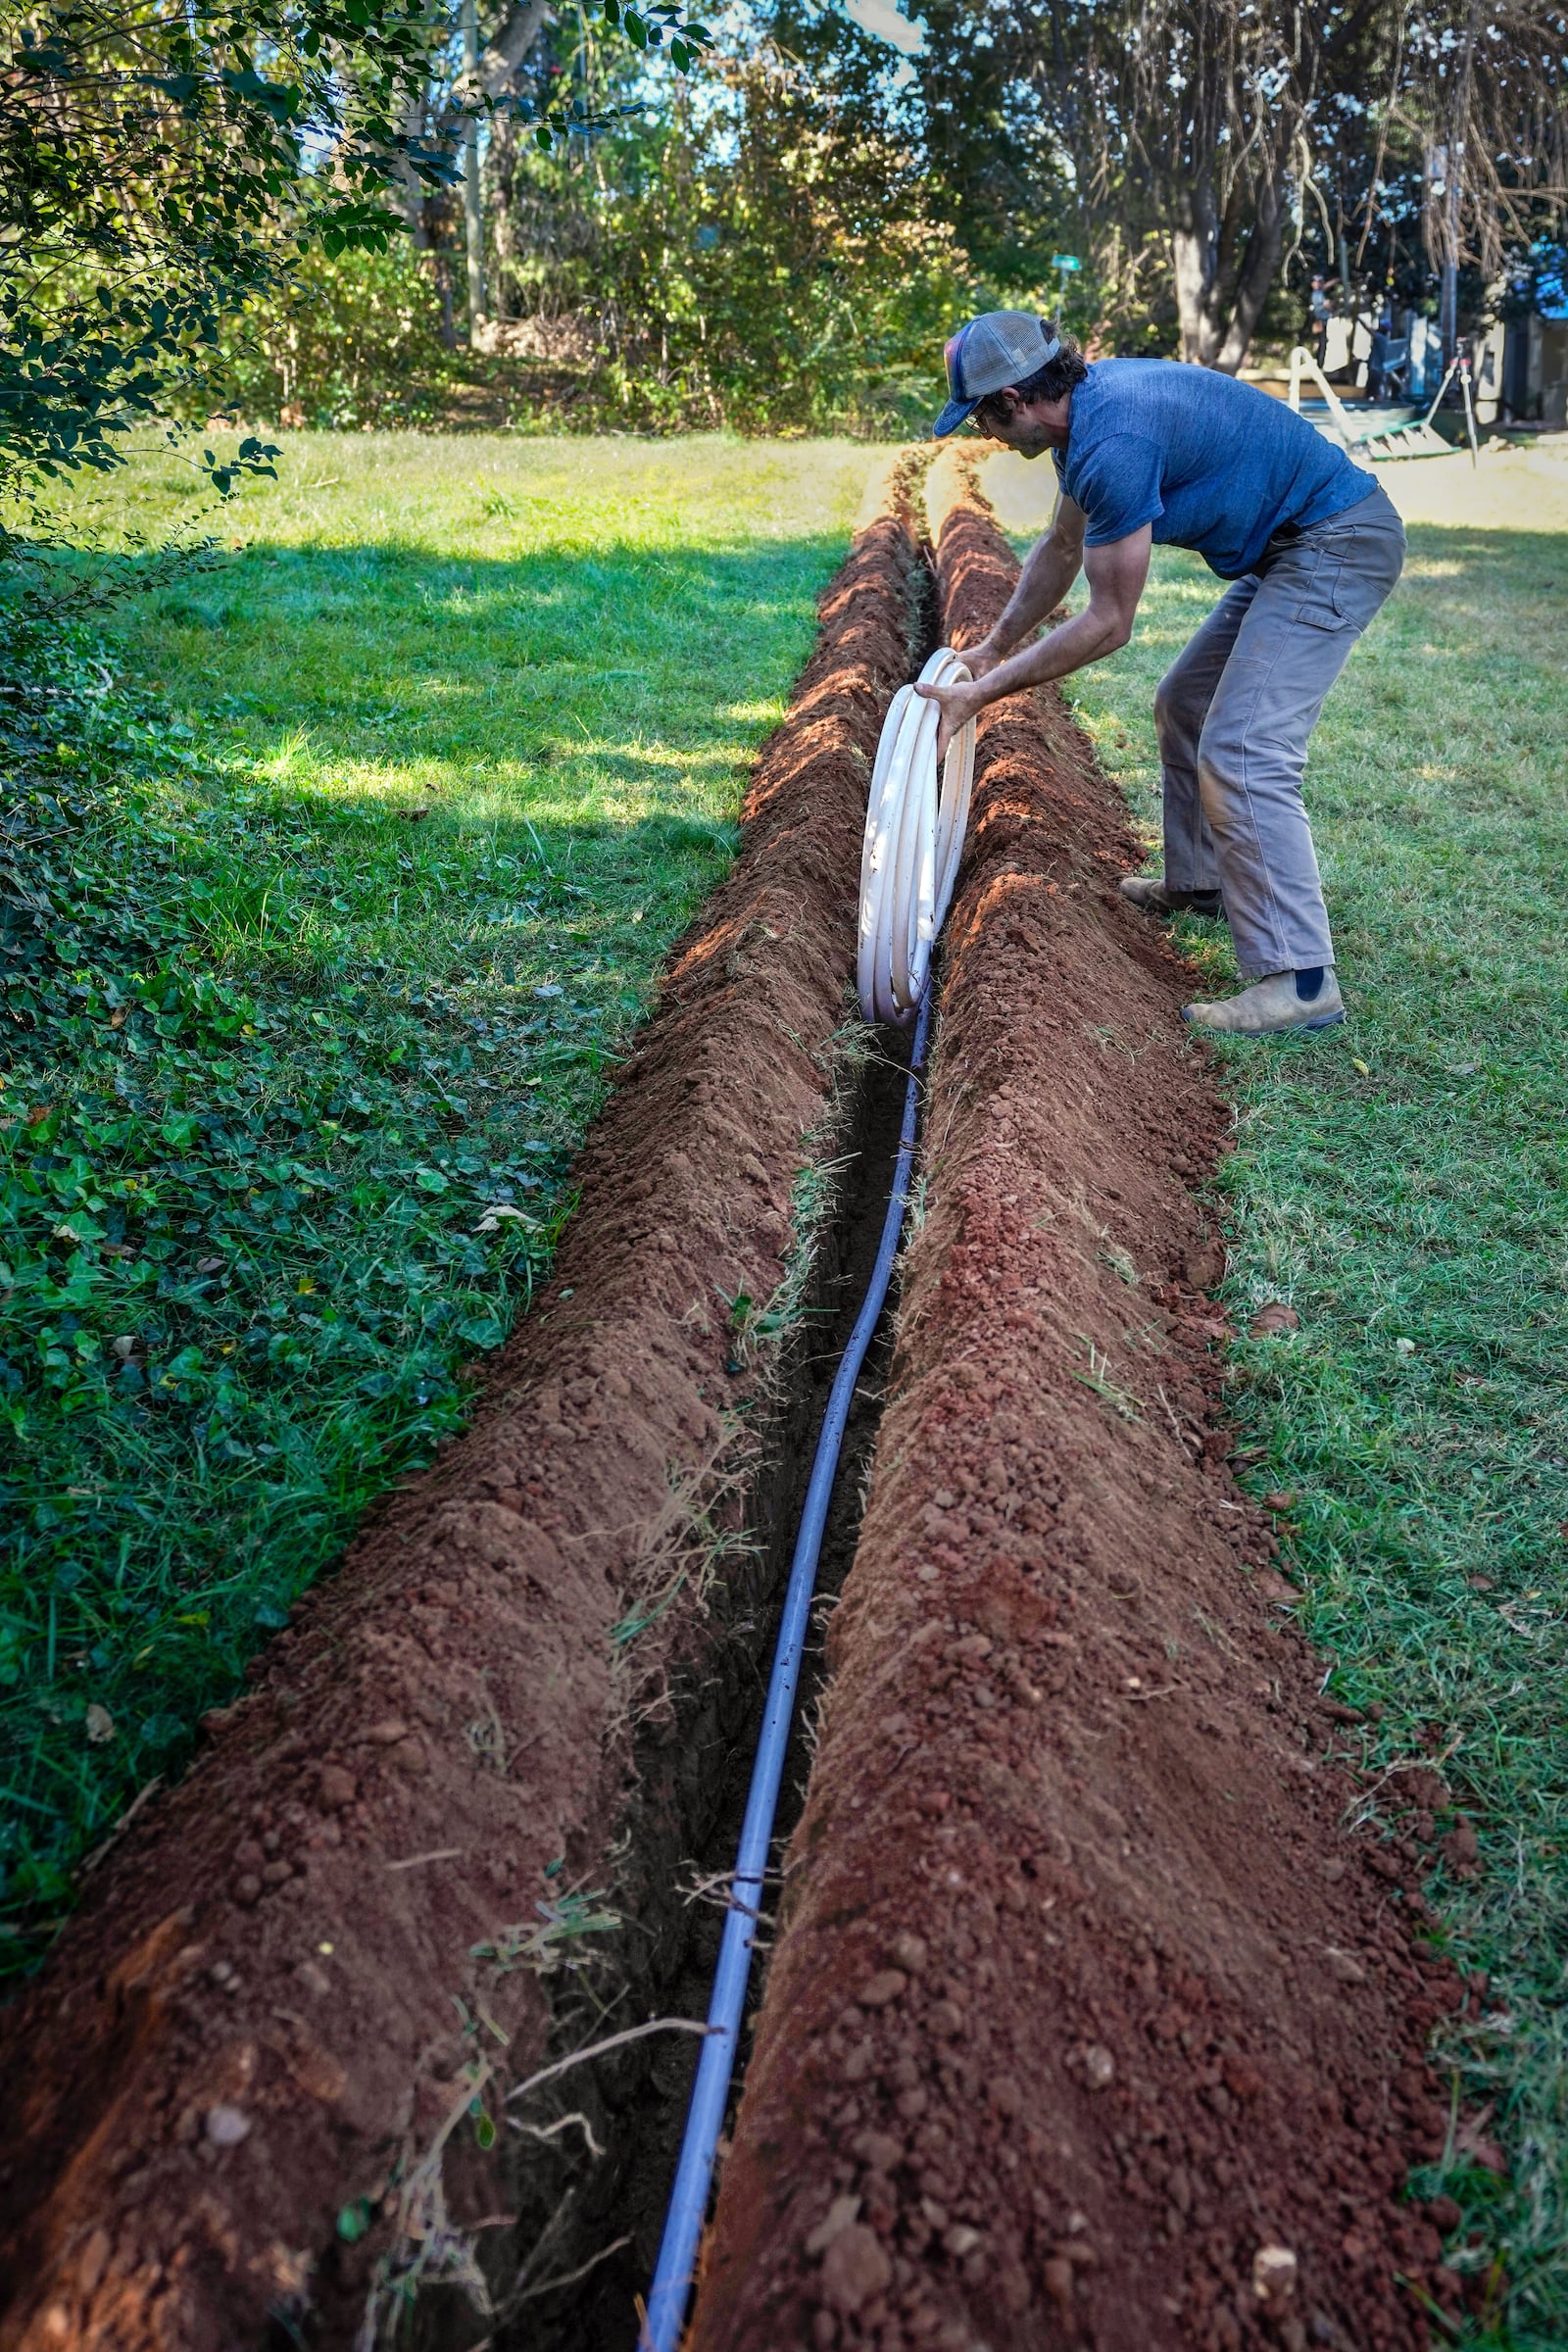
[1274, 2274]
[840, 2213]
[336, 1788]
[855, 2267]
[1462, 1847]
[1057, 2278]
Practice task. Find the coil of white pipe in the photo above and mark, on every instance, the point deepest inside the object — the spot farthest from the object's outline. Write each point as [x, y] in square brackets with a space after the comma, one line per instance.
[914, 843]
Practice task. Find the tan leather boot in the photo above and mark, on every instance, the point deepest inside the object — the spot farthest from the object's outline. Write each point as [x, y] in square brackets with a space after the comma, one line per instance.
[1152, 894]
[1270, 1008]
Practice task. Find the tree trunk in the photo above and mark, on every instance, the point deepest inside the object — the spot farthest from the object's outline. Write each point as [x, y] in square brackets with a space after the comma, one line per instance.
[472, 204]
[443, 279]
[524, 21]
[1263, 249]
[1224, 269]
[1192, 262]
[496, 70]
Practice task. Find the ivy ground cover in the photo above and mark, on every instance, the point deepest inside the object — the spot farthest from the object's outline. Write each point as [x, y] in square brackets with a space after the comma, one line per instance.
[335, 873]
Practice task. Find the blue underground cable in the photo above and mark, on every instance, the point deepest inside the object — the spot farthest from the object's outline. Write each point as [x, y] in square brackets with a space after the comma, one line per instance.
[704, 2119]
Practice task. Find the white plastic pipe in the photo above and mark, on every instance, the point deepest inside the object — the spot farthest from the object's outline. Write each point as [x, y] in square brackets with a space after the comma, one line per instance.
[914, 843]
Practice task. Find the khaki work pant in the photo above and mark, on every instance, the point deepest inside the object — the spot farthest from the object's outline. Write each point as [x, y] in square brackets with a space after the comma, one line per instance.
[1234, 713]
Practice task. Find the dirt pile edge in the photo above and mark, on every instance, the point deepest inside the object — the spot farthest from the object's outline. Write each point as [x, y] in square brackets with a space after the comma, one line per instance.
[1089, 2019]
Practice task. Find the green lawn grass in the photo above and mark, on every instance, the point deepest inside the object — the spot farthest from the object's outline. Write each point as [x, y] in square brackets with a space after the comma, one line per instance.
[330, 885]
[1403, 1184]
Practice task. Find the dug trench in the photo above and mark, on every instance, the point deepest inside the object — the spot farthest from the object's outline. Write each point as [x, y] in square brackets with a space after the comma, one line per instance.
[261, 2094]
[1098, 2000]
[1082, 1999]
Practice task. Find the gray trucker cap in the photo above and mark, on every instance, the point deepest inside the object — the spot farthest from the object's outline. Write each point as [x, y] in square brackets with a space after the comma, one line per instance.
[1000, 348]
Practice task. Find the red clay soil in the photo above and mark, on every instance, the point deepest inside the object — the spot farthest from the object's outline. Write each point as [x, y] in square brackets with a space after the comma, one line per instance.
[252, 2019]
[1085, 1996]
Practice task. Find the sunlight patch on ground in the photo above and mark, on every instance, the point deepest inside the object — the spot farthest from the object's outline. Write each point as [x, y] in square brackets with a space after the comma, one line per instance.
[361, 896]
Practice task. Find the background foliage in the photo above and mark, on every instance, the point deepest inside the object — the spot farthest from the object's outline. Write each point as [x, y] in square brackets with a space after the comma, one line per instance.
[783, 239]
[772, 224]
[159, 166]
[762, 253]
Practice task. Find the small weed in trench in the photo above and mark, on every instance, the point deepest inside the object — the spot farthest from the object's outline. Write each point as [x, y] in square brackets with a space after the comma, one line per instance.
[1097, 1377]
[548, 1942]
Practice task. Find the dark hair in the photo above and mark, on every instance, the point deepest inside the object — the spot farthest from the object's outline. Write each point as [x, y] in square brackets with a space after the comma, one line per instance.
[1056, 377]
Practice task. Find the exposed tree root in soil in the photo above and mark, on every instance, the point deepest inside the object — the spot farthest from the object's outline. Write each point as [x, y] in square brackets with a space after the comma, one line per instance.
[248, 2100]
[1090, 2020]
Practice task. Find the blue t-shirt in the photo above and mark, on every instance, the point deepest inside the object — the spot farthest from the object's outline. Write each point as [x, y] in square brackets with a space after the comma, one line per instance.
[1212, 463]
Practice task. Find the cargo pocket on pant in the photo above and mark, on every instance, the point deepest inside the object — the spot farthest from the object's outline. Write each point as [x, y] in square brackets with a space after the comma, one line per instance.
[1322, 604]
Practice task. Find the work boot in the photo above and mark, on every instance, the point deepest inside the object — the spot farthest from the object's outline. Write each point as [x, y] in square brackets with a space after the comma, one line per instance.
[1285, 1000]
[1151, 894]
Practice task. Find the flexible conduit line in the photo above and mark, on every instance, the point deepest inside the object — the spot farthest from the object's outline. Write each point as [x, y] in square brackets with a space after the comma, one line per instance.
[913, 842]
[909, 865]
[704, 2118]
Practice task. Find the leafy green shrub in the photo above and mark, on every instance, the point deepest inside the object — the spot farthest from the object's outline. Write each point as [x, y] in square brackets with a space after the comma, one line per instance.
[764, 254]
[769, 260]
[156, 172]
[357, 343]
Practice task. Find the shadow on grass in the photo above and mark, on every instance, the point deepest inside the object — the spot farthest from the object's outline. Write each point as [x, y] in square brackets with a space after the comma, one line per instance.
[430, 641]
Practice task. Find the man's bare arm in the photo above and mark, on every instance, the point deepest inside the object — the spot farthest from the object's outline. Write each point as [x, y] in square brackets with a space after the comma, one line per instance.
[1049, 569]
[1116, 575]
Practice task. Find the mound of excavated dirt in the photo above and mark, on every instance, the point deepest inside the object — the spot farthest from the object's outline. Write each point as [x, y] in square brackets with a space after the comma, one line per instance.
[1089, 2020]
[270, 2003]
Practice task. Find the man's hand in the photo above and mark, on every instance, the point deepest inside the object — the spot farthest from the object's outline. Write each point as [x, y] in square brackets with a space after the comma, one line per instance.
[983, 657]
[958, 704]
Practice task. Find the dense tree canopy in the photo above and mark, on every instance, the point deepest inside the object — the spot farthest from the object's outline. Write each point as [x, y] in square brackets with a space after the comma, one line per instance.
[774, 226]
[1193, 146]
[1203, 157]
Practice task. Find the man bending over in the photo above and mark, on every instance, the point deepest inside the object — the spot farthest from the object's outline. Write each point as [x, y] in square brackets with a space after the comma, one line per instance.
[1147, 449]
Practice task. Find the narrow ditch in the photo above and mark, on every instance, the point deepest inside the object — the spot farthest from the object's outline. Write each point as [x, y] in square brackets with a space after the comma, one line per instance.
[691, 1780]
[1107, 2080]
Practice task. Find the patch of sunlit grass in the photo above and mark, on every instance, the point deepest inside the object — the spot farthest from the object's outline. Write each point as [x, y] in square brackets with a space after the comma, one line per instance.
[356, 895]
